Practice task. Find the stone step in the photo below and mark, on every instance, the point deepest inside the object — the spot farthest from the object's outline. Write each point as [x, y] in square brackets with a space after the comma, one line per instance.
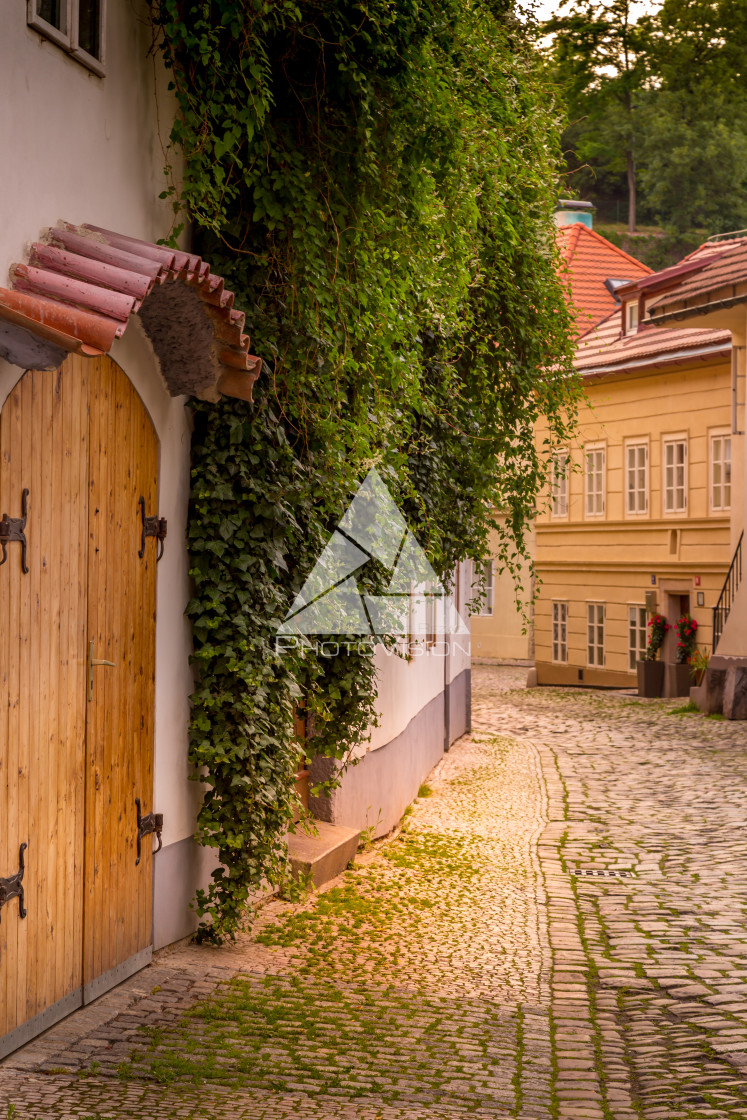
[325, 854]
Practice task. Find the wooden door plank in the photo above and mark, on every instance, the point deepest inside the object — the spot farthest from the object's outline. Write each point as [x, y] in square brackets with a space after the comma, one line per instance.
[94, 856]
[149, 575]
[9, 712]
[49, 664]
[42, 709]
[37, 810]
[72, 656]
[119, 746]
[123, 464]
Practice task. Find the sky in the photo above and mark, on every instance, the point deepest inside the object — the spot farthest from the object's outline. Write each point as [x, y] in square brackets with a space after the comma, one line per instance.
[544, 9]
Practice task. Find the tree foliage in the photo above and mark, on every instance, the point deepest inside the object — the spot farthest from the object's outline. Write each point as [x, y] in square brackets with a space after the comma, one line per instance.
[375, 181]
[664, 95]
[600, 56]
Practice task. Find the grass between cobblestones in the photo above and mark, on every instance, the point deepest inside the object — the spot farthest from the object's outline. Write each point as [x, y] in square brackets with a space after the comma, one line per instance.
[380, 992]
[299, 1034]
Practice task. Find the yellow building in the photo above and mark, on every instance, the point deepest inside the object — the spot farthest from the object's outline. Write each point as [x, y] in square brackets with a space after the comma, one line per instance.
[500, 630]
[638, 514]
[711, 293]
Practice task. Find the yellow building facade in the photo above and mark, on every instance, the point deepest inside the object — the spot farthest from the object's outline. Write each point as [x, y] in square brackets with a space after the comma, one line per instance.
[500, 630]
[638, 512]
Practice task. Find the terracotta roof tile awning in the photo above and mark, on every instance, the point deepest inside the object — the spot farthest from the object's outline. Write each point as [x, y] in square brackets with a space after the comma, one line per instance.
[82, 284]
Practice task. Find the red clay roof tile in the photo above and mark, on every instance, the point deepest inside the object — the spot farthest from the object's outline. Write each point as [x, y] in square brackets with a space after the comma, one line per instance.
[606, 349]
[81, 286]
[589, 260]
[725, 272]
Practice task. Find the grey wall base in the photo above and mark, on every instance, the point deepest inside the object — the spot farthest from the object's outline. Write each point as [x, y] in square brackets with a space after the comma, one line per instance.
[459, 706]
[377, 791]
[178, 870]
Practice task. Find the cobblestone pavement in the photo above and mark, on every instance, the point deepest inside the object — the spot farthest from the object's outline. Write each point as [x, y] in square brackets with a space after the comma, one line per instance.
[559, 931]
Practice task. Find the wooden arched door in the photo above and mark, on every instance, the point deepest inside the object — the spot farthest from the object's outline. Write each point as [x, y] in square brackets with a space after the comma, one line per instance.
[76, 739]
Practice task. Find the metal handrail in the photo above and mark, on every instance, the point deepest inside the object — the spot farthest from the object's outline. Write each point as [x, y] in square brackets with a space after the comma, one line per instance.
[728, 593]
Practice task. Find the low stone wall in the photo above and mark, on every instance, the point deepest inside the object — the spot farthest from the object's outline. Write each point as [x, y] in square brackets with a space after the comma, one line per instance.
[725, 688]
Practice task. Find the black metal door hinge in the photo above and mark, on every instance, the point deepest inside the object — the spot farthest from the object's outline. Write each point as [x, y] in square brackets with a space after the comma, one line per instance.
[146, 825]
[13, 529]
[151, 527]
[12, 887]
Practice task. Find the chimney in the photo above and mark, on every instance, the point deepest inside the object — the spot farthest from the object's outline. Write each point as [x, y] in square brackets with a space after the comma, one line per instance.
[570, 210]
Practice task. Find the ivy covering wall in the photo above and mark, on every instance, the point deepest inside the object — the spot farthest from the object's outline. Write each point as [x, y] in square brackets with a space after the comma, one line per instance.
[375, 180]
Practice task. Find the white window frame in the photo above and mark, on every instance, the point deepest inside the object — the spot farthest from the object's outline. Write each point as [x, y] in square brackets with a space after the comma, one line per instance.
[486, 607]
[596, 617]
[673, 441]
[631, 315]
[723, 436]
[560, 632]
[638, 626]
[68, 39]
[639, 507]
[598, 496]
[559, 485]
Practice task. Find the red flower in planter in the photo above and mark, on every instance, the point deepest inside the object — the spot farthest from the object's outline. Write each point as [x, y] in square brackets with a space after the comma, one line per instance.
[686, 628]
[659, 627]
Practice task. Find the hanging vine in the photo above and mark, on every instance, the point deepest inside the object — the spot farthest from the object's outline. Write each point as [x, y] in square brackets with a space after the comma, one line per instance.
[375, 180]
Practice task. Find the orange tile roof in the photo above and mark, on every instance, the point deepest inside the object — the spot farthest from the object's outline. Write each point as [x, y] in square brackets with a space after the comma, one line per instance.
[604, 349]
[722, 277]
[589, 260]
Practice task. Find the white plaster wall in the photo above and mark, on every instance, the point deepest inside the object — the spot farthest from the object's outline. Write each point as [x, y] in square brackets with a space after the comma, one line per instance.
[76, 146]
[89, 149]
[405, 687]
[460, 655]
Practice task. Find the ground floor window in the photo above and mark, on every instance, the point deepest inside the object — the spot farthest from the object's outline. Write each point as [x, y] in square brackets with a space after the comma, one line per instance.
[484, 569]
[595, 633]
[560, 631]
[637, 635]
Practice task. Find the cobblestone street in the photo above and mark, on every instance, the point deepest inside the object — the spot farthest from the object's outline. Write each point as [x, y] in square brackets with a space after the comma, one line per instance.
[558, 931]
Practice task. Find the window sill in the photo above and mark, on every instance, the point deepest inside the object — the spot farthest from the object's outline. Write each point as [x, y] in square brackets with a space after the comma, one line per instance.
[64, 42]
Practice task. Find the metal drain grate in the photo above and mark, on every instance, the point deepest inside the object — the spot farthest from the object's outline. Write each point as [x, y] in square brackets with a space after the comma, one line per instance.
[604, 874]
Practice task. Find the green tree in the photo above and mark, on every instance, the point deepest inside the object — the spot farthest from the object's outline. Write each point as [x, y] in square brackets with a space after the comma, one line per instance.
[694, 121]
[657, 108]
[599, 55]
[694, 164]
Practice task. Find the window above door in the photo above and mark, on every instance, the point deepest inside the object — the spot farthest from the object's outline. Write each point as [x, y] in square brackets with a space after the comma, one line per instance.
[77, 26]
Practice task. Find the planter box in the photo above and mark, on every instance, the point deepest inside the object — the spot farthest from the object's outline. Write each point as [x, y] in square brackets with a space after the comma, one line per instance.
[677, 679]
[650, 678]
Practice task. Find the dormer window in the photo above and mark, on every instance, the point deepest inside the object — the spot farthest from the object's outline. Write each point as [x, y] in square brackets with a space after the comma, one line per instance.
[631, 315]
